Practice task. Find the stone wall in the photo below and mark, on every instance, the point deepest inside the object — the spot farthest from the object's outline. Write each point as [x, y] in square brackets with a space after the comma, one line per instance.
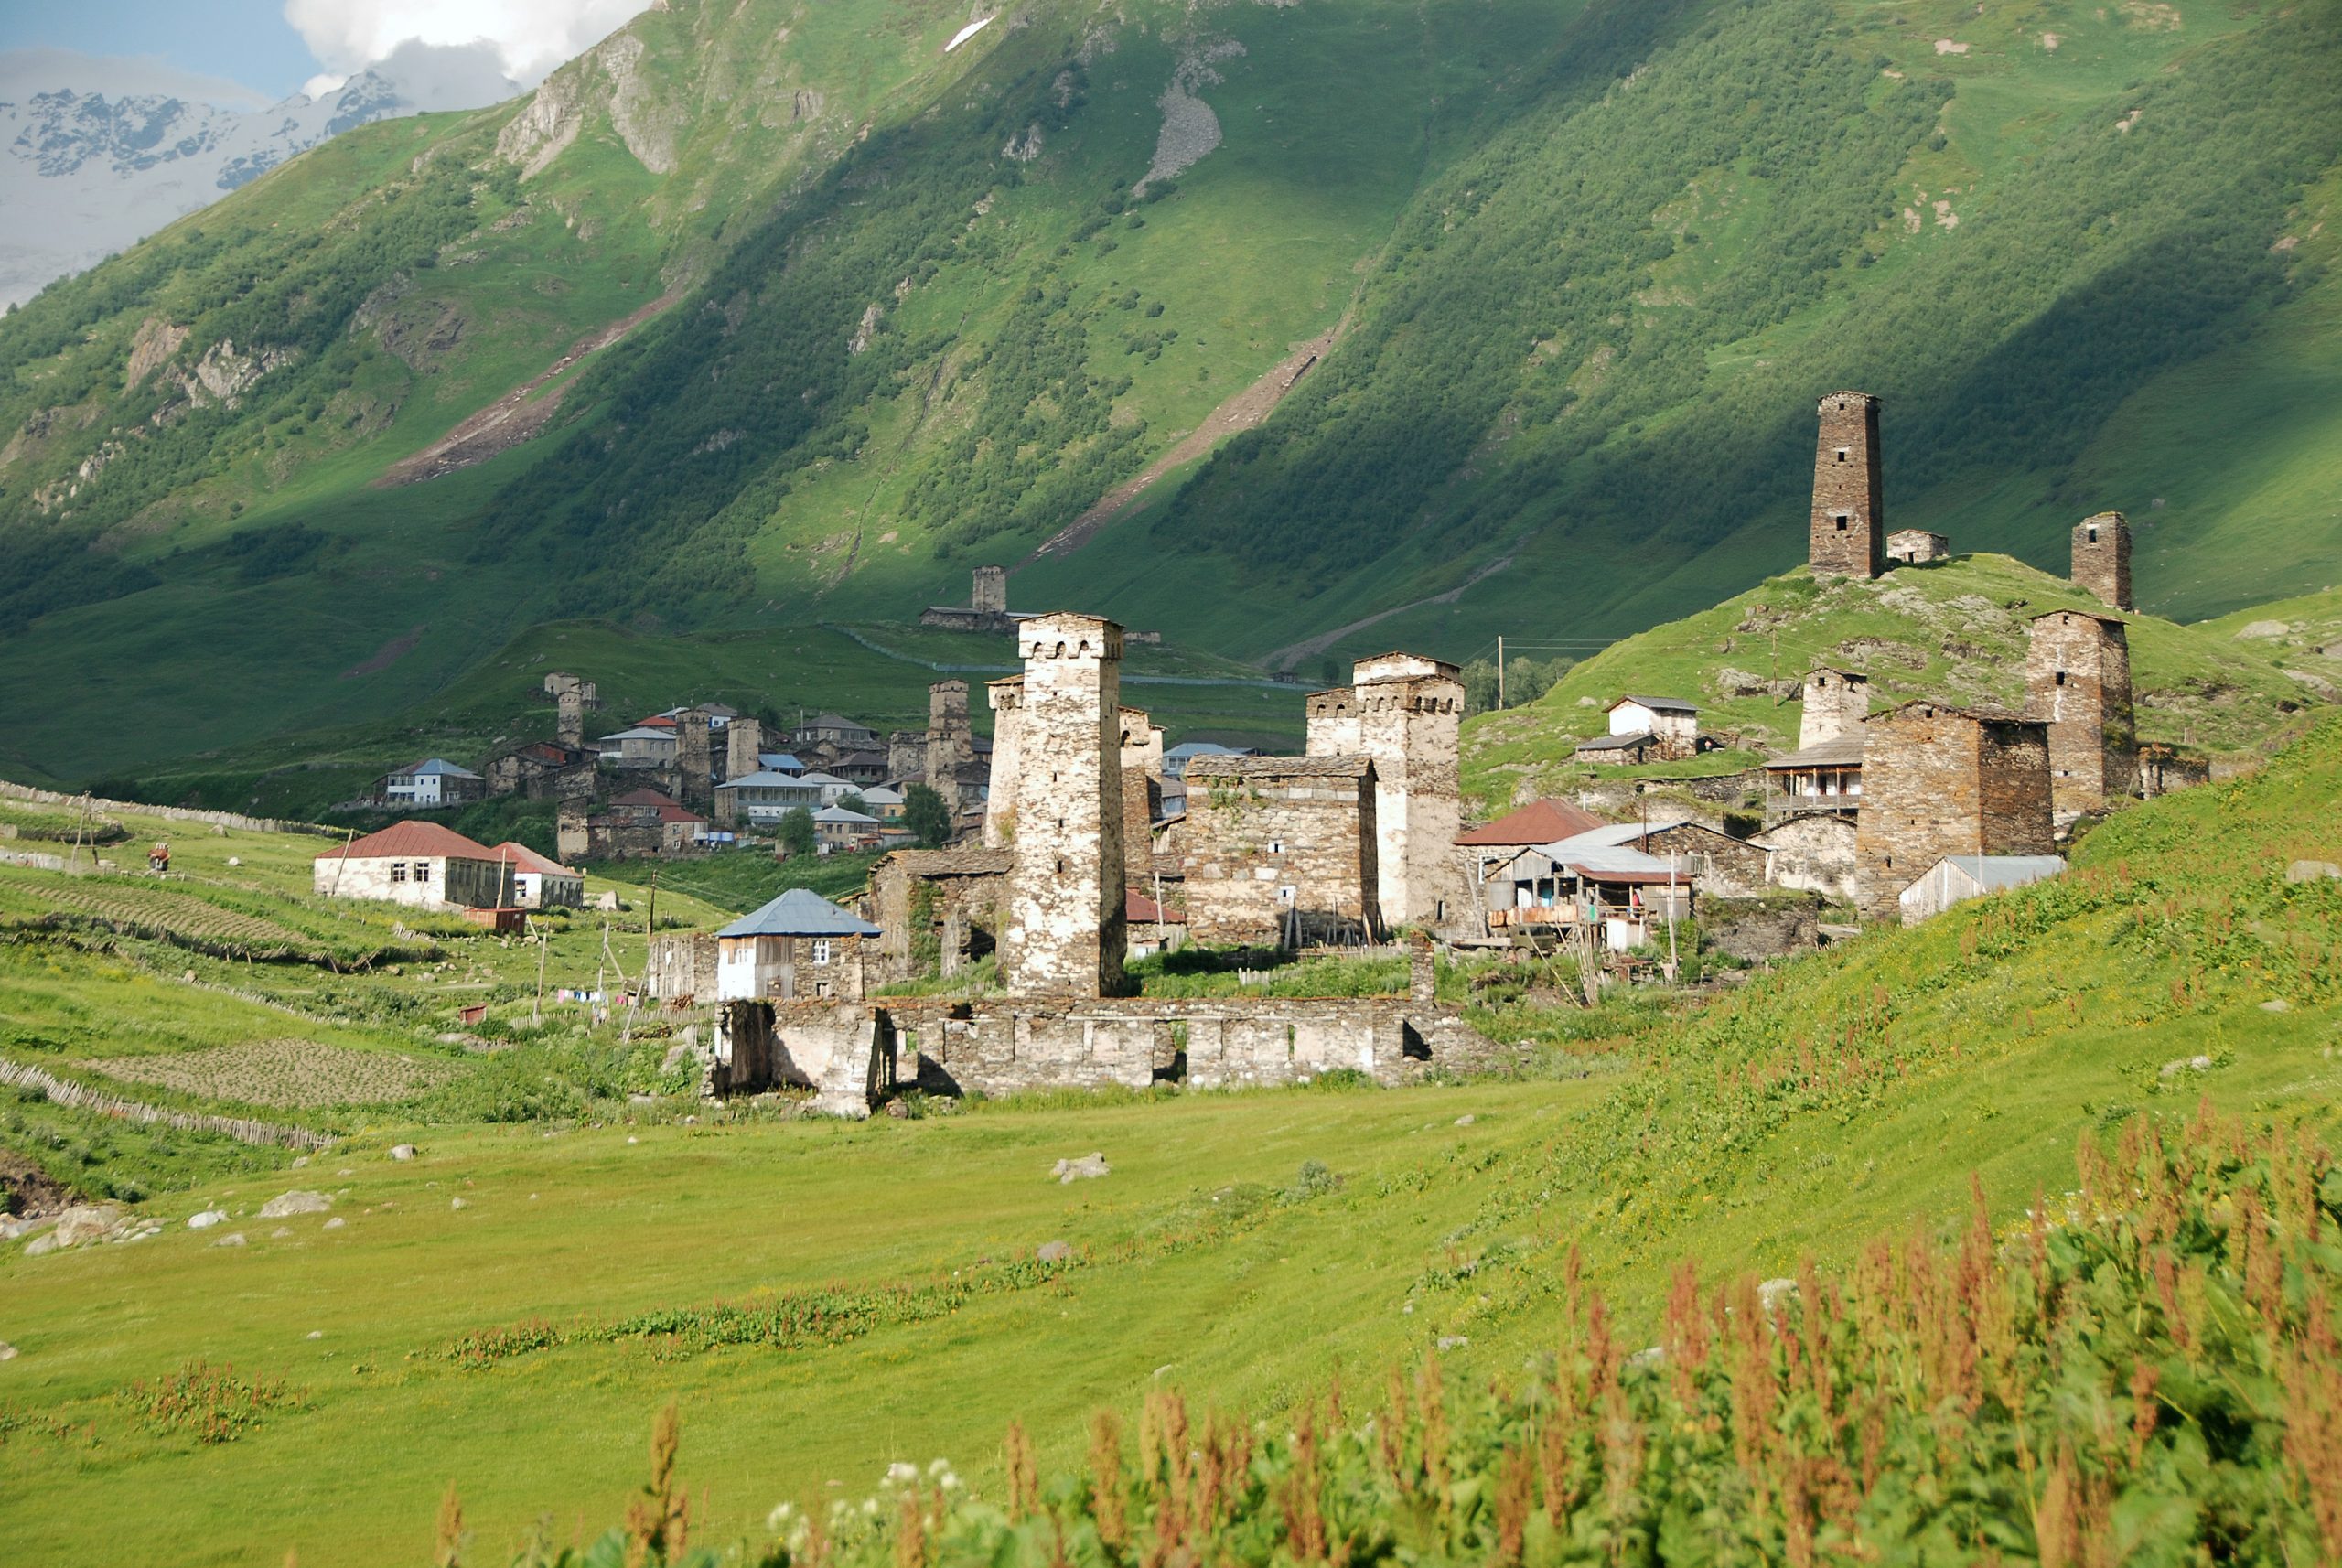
[682, 968]
[1280, 851]
[1140, 742]
[1847, 537]
[1750, 929]
[1940, 780]
[907, 755]
[1812, 853]
[1916, 547]
[572, 837]
[1064, 932]
[1722, 866]
[26, 792]
[2078, 681]
[960, 893]
[1832, 704]
[2102, 559]
[1007, 699]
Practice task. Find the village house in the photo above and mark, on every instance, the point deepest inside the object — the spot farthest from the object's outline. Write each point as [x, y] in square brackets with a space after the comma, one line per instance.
[1959, 877]
[421, 864]
[1593, 878]
[1280, 851]
[1916, 547]
[833, 736]
[1811, 852]
[644, 822]
[760, 800]
[799, 946]
[434, 781]
[640, 746]
[1542, 822]
[1646, 729]
[838, 830]
[539, 883]
[1941, 780]
[1824, 778]
[542, 770]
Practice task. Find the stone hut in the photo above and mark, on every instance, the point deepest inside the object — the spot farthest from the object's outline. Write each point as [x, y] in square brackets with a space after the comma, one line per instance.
[1064, 930]
[2078, 681]
[1846, 536]
[1830, 703]
[2102, 559]
[1007, 699]
[1916, 547]
[1281, 851]
[1941, 780]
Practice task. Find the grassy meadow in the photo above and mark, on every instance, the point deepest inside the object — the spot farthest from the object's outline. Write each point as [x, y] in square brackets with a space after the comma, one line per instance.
[509, 1309]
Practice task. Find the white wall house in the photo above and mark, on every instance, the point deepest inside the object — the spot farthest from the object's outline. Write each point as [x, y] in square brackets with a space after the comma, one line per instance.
[434, 781]
[542, 883]
[799, 946]
[417, 864]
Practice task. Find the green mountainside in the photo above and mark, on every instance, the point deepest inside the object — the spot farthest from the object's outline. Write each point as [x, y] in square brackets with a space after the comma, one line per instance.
[764, 316]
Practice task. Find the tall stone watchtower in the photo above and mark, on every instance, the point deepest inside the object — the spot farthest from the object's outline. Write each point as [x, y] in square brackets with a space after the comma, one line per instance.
[1832, 704]
[1409, 711]
[950, 742]
[2078, 681]
[1007, 699]
[988, 590]
[1849, 524]
[2102, 559]
[1064, 932]
[695, 758]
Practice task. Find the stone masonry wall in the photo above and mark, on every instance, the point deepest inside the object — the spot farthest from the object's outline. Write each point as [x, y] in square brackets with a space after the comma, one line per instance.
[695, 757]
[1066, 911]
[1259, 826]
[1141, 744]
[2102, 558]
[1408, 727]
[1832, 702]
[1940, 780]
[951, 743]
[1847, 536]
[1333, 723]
[1007, 699]
[744, 741]
[2078, 681]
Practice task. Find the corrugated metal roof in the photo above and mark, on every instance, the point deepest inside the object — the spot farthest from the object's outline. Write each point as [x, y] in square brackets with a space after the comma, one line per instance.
[1994, 873]
[1540, 821]
[1616, 742]
[526, 859]
[1660, 704]
[766, 779]
[1845, 751]
[799, 912]
[1613, 835]
[423, 841]
[440, 766]
[840, 814]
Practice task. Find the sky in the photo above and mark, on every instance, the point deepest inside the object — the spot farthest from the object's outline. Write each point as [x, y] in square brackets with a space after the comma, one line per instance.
[249, 53]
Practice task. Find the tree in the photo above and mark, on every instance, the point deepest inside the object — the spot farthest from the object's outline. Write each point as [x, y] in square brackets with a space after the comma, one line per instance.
[928, 819]
[797, 833]
[852, 800]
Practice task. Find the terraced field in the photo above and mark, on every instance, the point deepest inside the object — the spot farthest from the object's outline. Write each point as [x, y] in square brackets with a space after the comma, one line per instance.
[283, 1073]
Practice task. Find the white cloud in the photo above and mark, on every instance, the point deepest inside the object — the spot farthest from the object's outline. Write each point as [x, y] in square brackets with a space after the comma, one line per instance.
[530, 37]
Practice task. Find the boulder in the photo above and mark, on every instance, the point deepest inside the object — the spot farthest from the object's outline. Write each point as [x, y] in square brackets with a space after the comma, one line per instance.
[207, 1220]
[232, 1238]
[1053, 1252]
[1089, 1165]
[7, 1351]
[335, 1223]
[295, 1202]
[86, 1222]
[1773, 1292]
[2312, 871]
[402, 1151]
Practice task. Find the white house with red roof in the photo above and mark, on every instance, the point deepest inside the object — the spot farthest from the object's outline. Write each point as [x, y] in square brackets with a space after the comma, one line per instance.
[418, 864]
[542, 883]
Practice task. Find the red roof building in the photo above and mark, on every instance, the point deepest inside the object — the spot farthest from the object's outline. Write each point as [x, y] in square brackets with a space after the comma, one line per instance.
[1540, 821]
[418, 864]
[404, 839]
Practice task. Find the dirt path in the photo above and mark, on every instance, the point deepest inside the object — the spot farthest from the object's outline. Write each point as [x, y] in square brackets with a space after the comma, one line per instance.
[512, 418]
[1293, 654]
[1242, 411]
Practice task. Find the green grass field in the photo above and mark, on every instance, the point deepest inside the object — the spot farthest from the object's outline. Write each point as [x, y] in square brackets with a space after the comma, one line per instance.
[1842, 1095]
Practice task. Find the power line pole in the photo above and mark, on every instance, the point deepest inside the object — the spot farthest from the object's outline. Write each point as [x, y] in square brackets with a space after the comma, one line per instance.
[1499, 670]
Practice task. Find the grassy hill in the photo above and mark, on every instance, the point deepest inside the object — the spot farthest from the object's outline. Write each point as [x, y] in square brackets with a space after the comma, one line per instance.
[850, 313]
[823, 1300]
[1955, 631]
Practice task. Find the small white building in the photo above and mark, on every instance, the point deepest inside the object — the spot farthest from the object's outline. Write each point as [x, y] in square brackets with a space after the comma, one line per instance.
[542, 883]
[799, 946]
[434, 781]
[644, 746]
[1957, 878]
[837, 828]
[418, 864]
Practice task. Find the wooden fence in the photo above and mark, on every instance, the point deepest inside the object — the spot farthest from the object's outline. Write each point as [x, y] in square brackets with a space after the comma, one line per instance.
[65, 1091]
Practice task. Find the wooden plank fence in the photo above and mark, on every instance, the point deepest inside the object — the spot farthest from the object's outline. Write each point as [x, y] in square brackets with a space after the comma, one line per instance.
[80, 1096]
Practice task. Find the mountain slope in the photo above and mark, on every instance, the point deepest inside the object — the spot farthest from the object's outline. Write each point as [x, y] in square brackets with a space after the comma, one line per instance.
[889, 308]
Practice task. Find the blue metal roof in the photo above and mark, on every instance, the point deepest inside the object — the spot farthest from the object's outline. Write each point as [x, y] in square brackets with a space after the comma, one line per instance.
[799, 912]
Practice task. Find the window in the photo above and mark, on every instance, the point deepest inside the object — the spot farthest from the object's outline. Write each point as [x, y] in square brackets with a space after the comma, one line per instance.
[1844, 454]
[821, 950]
[1276, 847]
[398, 871]
[1840, 520]
[2093, 536]
[2061, 677]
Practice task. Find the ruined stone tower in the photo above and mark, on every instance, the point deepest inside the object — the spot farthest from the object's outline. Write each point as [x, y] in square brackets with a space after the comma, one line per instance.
[1834, 703]
[1409, 709]
[1007, 699]
[2078, 681]
[1142, 752]
[1940, 780]
[1064, 932]
[988, 591]
[1849, 533]
[2102, 558]
[695, 757]
[569, 720]
[951, 743]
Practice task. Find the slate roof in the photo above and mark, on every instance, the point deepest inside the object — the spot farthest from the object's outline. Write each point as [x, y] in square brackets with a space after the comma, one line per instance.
[643, 798]
[799, 912]
[1216, 765]
[1618, 742]
[1846, 751]
[1540, 821]
[421, 841]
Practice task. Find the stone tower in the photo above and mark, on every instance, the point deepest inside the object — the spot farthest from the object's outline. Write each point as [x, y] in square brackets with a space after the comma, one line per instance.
[1849, 524]
[1410, 709]
[1064, 932]
[988, 591]
[695, 757]
[1141, 751]
[569, 721]
[2078, 681]
[1834, 703]
[907, 755]
[1333, 723]
[2102, 559]
[1007, 699]
[571, 836]
[951, 743]
[1940, 780]
[744, 744]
